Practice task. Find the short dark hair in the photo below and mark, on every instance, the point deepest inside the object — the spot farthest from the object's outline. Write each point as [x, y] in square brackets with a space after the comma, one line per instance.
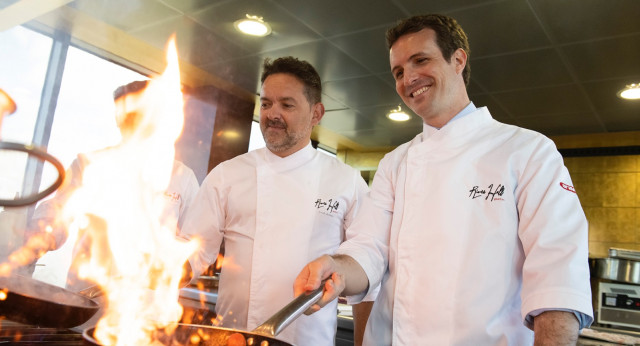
[132, 87]
[300, 69]
[449, 34]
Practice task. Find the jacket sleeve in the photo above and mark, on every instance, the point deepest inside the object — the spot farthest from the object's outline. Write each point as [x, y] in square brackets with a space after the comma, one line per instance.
[554, 234]
[368, 235]
[204, 221]
[189, 191]
[49, 212]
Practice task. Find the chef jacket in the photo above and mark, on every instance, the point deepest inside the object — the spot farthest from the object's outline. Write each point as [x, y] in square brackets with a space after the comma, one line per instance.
[469, 229]
[275, 215]
[181, 190]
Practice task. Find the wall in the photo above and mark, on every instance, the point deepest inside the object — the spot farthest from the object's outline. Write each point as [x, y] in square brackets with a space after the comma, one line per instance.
[217, 128]
[609, 190]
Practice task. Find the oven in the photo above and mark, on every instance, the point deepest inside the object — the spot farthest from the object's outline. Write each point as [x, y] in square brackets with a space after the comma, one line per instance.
[619, 304]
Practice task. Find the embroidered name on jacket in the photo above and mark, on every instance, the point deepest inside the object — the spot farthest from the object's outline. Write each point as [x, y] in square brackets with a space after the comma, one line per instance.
[490, 193]
[327, 206]
[173, 196]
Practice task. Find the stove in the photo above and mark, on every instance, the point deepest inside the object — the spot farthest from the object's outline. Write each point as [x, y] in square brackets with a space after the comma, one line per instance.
[13, 333]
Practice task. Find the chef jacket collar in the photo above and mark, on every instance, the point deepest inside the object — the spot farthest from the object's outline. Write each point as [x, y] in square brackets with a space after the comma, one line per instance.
[294, 160]
[428, 130]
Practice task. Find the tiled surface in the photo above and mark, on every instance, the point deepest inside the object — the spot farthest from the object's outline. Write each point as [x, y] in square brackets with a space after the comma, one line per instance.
[609, 190]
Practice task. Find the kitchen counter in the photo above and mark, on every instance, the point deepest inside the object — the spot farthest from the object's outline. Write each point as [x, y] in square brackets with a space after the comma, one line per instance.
[608, 336]
[191, 295]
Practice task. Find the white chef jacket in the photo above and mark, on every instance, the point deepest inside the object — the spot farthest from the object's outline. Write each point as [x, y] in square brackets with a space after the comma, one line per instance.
[181, 190]
[275, 215]
[470, 229]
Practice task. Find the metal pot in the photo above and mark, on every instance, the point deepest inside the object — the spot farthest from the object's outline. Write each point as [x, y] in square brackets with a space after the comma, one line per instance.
[35, 302]
[618, 269]
[209, 335]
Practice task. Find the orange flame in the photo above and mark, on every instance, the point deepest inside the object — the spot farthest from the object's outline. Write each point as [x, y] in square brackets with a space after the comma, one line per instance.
[117, 215]
[219, 261]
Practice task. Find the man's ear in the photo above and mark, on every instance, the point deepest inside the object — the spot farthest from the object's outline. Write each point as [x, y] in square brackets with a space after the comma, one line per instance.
[460, 59]
[318, 113]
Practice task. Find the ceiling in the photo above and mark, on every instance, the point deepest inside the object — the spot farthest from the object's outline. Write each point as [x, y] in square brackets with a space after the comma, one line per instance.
[548, 65]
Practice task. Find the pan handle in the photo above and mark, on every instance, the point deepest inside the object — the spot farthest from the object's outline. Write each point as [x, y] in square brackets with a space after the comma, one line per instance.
[42, 155]
[274, 325]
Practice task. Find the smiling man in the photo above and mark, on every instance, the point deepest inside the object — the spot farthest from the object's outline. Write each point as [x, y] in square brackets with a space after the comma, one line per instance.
[276, 208]
[472, 228]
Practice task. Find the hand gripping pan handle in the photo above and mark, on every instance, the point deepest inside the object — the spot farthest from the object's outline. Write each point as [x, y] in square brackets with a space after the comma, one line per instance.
[281, 319]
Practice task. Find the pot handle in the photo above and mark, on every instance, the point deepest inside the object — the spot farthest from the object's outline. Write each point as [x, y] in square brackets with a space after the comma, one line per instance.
[281, 319]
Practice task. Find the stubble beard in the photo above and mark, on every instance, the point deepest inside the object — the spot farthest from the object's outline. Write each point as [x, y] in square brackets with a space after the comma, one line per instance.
[281, 142]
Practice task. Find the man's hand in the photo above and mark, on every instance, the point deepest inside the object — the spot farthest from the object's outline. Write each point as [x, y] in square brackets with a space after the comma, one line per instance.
[555, 328]
[311, 277]
[346, 277]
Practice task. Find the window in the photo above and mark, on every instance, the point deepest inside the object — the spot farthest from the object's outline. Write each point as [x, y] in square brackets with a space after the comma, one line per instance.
[84, 120]
[255, 140]
[64, 99]
[22, 78]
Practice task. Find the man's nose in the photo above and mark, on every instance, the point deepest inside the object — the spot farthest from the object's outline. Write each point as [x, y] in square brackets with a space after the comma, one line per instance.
[274, 112]
[410, 76]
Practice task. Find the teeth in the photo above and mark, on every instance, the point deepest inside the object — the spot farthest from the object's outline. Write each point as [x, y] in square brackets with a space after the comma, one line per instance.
[419, 91]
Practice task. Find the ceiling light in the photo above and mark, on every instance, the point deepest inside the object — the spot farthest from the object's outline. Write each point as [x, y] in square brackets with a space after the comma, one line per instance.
[398, 115]
[253, 25]
[630, 92]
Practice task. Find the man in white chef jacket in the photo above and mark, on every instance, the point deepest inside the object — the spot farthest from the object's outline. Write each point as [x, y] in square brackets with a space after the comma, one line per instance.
[182, 188]
[473, 227]
[276, 208]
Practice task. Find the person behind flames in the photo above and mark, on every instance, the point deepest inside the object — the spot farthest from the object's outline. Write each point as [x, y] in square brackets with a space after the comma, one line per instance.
[472, 228]
[181, 190]
[276, 208]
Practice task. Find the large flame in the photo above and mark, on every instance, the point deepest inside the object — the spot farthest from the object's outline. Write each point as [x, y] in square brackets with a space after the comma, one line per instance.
[117, 212]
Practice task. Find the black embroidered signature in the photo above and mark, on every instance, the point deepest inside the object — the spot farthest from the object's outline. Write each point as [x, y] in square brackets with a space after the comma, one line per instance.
[330, 205]
[476, 192]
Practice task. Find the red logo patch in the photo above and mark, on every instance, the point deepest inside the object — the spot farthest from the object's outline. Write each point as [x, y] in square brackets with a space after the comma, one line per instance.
[568, 187]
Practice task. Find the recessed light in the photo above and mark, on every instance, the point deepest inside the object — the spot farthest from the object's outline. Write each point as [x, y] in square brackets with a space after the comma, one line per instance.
[630, 92]
[253, 25]
[398, 115]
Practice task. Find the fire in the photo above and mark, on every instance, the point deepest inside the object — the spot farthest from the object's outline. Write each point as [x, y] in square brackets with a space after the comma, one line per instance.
[7, 106]
[116, 217]
[219, 261]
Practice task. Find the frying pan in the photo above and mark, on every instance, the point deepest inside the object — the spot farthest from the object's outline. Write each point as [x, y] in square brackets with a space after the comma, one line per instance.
[35, 302]
[215, 336]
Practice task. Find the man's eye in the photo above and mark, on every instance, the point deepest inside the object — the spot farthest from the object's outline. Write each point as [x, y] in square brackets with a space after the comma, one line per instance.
[264, 106]
[398, 75]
